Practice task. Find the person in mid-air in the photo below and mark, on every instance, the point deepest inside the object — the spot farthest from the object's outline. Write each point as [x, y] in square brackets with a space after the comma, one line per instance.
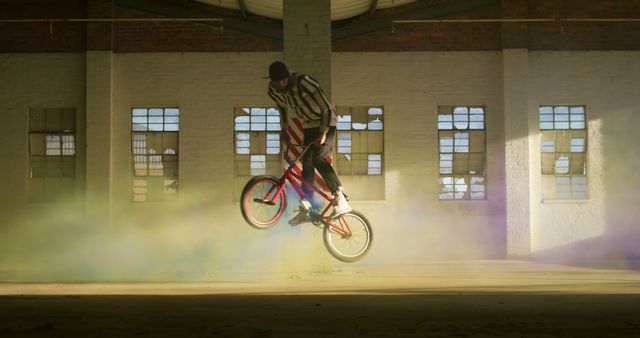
[300, 95]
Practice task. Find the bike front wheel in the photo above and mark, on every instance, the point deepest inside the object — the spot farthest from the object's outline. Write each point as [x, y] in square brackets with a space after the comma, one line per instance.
[349, 237]
[260, 202]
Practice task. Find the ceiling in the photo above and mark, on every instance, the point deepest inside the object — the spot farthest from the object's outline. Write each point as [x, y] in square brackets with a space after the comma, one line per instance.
[340, 9]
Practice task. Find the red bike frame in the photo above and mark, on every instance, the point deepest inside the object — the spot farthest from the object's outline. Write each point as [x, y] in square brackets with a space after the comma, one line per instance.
[296, 182]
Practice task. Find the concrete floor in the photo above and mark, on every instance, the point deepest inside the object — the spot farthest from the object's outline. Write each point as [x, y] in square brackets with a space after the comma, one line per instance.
[439, 299]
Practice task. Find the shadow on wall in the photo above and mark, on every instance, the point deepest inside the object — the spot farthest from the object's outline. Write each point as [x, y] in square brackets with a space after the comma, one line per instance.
[617, 247]
[614, 250]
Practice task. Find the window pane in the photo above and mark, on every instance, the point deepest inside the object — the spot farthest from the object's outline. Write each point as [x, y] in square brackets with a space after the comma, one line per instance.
[139, 112]
[548, 146]
[171, 112]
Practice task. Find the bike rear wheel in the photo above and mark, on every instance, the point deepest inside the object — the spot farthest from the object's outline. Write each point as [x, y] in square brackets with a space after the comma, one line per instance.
[351, 238]
[259, 207]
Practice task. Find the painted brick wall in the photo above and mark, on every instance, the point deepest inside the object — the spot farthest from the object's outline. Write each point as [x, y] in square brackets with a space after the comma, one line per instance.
[605, 82]
[35, 81]
[205, 227]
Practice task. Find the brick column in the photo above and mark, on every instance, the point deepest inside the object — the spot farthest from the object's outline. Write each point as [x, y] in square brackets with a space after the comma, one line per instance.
[307, 49]
[99, 110]
[307, 39]
[517, 153]
[515, 63]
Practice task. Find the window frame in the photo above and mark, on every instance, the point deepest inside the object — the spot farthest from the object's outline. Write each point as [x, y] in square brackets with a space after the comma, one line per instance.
[345, 126]
[448, 181]
[140, 183]
[578, 183]
[65, 165]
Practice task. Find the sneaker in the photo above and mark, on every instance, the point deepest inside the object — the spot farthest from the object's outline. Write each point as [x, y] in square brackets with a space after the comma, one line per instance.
[304, 213]
[303, 216]
[341, 206]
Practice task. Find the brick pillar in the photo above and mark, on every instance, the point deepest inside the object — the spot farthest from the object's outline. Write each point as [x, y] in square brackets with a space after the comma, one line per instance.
[515, 63]
[99, 110]
[517, 153]
[307, 49]
[307, 39]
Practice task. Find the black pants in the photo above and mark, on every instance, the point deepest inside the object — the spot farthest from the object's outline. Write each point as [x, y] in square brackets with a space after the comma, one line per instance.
[316, 158]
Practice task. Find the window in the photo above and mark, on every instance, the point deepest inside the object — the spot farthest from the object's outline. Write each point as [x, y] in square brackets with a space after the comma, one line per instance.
[257, 141]
[563, 152]
[360, 139]
[462, 152]
[154, 148]
[52, 155]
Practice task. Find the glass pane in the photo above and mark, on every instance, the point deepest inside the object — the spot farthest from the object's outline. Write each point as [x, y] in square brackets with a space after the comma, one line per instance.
[546, 118]
[139, 119]
[476, 111]
[155, 127]
[171, 112]
[242, 119]
[546, 125]
[172, 119]
[546, 110]
[258, 126]
[156, 112]
[548, 146]
[446, 144]
[171, 127]
[577, 125]
[461, 110]
[242, 127]
[258, 119]
[139, 112]
[577, 145]
[258, 111]
[375, 111]
[375, 125]
[461, 121]
[445, 121]
[156, 119]
[562, 165]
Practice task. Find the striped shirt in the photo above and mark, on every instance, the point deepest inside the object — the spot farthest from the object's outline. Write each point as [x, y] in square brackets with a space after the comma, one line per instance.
[306, 100]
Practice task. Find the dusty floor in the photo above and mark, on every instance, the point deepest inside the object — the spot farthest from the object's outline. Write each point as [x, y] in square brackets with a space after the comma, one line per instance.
[445, 299]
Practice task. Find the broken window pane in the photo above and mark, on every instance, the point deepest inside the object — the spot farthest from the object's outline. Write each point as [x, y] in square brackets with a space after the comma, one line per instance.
[562, 165]
[461, 142]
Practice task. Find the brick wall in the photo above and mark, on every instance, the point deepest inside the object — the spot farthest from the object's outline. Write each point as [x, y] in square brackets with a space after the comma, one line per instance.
[40, 37]
[182, 37]
[196, 37]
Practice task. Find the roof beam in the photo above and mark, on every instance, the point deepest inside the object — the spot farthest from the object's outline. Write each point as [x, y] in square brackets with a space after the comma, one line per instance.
[427, 12]
[193, 10]
[274, 31]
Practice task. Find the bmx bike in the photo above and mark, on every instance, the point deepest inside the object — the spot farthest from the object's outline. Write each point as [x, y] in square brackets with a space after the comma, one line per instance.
[347, 237]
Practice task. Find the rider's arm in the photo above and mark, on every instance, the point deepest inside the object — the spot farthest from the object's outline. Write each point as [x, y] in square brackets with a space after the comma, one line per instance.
[327, 113]
[284, 121]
